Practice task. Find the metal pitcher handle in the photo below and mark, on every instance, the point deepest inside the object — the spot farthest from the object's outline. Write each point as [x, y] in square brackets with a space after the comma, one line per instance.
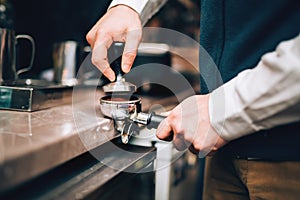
[27, 37]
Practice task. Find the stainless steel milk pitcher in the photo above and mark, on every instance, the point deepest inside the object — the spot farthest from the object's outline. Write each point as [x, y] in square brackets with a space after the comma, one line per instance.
[8, 41]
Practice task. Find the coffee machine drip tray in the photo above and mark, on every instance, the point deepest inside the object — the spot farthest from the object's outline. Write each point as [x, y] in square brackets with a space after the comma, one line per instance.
[30, 97]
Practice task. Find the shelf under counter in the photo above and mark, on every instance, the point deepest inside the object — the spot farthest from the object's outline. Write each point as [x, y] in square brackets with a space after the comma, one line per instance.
[85, 177]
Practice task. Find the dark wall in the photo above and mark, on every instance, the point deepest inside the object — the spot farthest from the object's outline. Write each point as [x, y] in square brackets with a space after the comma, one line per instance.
[50, 21]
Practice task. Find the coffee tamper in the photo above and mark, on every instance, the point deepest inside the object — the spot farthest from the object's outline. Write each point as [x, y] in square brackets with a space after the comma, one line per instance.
[120, 85]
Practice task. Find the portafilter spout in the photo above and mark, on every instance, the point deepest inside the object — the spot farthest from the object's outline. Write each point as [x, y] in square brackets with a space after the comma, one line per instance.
[120, 85]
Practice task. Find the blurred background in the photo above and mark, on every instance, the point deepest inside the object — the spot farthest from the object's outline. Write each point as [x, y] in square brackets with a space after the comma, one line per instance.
[54, 21]
[49, 22]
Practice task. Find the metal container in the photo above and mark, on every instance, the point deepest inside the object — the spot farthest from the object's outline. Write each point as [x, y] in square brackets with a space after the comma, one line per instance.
[65, 56]
[8, 40]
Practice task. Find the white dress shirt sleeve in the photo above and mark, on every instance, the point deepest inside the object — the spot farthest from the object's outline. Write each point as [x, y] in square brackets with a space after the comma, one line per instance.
[145, 8]
[261, 98]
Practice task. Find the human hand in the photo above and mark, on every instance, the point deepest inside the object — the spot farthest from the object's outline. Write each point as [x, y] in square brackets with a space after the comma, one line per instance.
[120, 24]
[190, 126]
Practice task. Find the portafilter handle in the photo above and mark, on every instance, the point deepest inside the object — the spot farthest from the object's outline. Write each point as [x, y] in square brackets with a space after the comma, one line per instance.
[151, 120]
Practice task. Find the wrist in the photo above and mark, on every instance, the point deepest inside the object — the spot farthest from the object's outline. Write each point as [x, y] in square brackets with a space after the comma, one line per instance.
[125, 17]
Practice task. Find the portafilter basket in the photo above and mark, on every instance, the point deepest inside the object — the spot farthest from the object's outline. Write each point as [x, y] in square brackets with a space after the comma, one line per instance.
[120, 107]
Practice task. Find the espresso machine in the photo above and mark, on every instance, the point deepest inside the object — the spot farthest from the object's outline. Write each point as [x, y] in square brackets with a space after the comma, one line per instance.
[120, 102]
[27, 94]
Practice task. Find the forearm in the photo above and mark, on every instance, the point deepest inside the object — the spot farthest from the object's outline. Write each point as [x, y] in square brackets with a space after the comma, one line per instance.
[145, 8]
[261, 98]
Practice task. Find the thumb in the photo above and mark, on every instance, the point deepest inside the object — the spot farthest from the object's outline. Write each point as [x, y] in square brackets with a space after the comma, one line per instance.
[164, 131]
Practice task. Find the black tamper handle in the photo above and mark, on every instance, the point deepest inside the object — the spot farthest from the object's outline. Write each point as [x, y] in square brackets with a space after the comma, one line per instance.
[115, 57]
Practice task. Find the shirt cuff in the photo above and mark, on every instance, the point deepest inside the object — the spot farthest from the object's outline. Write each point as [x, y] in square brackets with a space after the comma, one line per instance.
[145, 8]
[137, 5]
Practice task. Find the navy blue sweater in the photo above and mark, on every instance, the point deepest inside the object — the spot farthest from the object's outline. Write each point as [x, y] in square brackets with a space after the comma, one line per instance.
[236, 33]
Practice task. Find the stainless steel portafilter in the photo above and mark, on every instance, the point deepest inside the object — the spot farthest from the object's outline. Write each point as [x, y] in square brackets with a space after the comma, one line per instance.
[120, 105]
[127, 115]
[122, 109]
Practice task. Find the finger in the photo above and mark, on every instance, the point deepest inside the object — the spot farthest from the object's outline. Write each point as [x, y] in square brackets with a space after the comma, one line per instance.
[180, 143]
[193, 150]
[91, 35]
[99, 56]
[130, 50]
[164, 131]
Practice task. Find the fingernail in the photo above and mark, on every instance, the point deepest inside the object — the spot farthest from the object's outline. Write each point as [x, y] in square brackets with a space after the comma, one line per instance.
[110, 75]
[126, 68]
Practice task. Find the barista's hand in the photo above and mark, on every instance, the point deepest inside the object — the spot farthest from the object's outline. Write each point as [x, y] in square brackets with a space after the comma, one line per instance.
[189, 124]
[121, 24]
